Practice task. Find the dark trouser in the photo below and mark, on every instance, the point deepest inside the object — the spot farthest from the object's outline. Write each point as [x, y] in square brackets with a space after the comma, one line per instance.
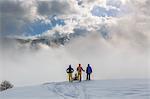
[88, 76]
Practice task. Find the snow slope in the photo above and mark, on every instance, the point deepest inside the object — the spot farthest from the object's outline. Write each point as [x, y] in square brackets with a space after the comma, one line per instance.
[102, 89]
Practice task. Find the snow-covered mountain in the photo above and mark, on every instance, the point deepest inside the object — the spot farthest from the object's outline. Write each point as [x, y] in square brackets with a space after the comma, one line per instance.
[56, 39]
[50, 40]
[35, 42]
[103, 89]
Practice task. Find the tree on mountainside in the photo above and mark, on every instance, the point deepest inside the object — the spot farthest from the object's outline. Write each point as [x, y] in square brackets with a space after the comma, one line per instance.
[5, 85]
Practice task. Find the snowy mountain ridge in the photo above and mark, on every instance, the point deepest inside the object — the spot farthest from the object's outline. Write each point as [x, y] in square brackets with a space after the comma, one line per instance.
[102, 89]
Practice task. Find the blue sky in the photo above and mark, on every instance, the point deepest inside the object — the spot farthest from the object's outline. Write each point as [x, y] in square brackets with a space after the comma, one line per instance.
[39, 26]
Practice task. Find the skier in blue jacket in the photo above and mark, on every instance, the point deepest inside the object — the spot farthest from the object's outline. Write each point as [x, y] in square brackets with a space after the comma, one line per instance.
[88, 72]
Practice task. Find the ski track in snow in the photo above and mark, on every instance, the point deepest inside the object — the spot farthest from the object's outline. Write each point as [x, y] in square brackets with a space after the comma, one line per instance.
[85, 90]
[70, 90]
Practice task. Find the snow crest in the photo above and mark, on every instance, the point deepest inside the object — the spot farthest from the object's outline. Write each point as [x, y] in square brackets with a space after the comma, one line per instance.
[105, 89]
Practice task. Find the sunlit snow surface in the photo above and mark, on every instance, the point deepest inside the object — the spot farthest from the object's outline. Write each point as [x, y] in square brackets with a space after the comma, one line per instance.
[102, 89]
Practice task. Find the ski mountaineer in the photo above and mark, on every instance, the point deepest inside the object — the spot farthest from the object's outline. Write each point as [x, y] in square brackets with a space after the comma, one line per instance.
[70, 70]
[75, 77]
[79, 70]
[88, 72]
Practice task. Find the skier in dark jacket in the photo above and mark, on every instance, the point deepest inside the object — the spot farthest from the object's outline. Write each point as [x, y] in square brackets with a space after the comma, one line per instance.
[88, 72]
[70, 70]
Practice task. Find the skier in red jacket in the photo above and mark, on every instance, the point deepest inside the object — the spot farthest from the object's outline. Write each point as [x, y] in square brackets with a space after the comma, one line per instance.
[79, 70]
